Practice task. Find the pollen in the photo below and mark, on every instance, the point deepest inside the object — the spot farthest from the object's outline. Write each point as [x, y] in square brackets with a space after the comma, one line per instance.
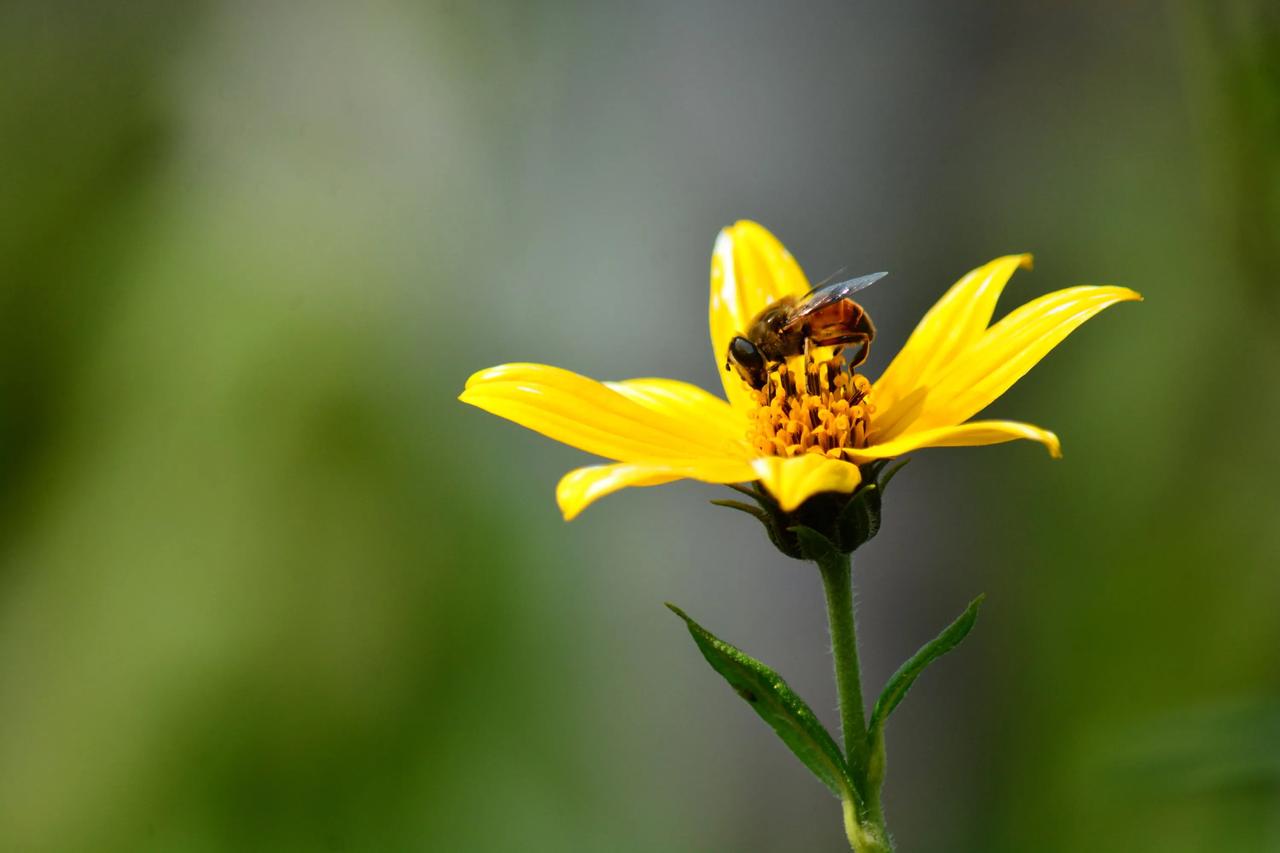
[811, 406]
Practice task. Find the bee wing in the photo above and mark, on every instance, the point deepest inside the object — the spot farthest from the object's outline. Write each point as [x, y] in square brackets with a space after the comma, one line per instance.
[826, 294]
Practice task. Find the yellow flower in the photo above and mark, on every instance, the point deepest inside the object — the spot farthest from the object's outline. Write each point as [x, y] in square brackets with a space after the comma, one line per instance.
[815, 421]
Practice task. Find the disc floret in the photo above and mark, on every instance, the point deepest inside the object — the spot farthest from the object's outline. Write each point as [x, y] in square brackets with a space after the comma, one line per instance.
[811, 406]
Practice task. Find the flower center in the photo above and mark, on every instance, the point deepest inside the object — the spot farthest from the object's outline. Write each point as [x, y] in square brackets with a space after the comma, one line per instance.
[821, 410]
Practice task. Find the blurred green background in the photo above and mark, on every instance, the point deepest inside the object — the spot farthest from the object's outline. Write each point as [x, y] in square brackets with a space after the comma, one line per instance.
[265, 585]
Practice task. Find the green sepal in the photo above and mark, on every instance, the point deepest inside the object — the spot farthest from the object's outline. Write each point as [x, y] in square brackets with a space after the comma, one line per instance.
[906, 675]
[740, 506]
[753, 491]
[859, 521]
[892, 472]
[769, 514]
[847, 522]
[779, 706]
[814, 546]
[871, 470]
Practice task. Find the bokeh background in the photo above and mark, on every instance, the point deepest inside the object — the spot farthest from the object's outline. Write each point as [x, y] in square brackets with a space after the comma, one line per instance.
[265, 585]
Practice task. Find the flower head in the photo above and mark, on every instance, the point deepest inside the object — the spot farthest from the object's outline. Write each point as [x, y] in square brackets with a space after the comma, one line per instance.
[815, 420]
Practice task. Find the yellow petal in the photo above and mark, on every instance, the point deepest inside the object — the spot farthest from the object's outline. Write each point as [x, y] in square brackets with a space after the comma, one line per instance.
[688, 403]
[583, 486]
[965, 435]
[954, 322]
[1009, 349]
[793, 480]
[750, 269]
[640, 423]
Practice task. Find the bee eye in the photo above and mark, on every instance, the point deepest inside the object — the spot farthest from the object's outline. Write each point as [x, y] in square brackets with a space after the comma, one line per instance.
[747, 358]
[745, 353]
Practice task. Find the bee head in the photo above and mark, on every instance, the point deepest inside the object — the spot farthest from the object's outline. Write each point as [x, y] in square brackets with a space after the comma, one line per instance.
[746, 358]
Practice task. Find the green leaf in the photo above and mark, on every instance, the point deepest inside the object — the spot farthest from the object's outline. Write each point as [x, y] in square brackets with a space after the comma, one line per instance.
[779, 706]
[909, 671]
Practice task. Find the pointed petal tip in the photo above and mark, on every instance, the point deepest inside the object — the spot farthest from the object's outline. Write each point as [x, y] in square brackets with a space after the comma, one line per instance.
[1119, 293]
[571, 498]
[969, 434]
[468, 395]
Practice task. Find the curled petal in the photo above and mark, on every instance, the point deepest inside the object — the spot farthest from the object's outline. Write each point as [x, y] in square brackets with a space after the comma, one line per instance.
[583, 486]
[965, 435]
[1009, 349]
[954, 322]
[793, 480]
[631, 422]
[750, 269]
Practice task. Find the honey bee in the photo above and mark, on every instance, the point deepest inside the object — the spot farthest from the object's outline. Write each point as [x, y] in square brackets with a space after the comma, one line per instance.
[825, 316]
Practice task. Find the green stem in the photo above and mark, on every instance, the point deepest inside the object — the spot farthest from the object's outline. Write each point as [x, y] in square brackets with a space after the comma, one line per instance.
[866, 830]
[837, 582]
[864, 837]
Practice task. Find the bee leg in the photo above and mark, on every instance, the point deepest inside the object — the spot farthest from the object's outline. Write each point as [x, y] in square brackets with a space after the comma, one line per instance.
[864, 349]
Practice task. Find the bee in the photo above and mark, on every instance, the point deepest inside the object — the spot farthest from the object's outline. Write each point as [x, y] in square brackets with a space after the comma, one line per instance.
[825, 316]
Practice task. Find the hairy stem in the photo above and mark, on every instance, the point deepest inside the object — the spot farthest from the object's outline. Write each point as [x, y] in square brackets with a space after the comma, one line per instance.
[837, 582]
[865, 828]
[864, 837]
